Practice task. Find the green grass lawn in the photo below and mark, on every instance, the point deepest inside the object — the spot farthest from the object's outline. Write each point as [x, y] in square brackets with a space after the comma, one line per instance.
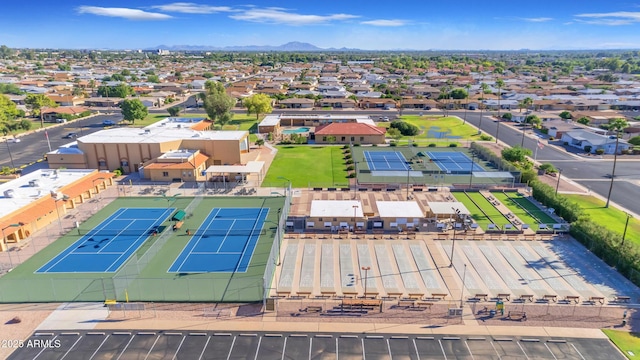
[315, 166]
[494, 214]
[476, 214]
[535, 211]
[628, 343]
[611, 218]
[242, 122]
[462, 132]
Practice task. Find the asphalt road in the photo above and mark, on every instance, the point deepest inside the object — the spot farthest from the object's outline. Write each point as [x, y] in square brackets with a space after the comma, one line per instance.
[591, 172]
[33, 146]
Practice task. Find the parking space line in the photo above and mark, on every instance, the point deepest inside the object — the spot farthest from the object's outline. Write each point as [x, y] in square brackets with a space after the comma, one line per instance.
[179, 347]
[552, 354]
[578, 351]
[442, 349]
[521, 348]
[205, 347]
[258, 348]
[99, 347]
[71, 347]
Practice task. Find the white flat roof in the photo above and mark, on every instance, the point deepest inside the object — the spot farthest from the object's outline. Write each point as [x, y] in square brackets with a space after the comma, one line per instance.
[175, 122]
[336, 208]
[251, 167]
[46, 180]
[270, 120]
[448, 208]
[156, 135]
[399, 209]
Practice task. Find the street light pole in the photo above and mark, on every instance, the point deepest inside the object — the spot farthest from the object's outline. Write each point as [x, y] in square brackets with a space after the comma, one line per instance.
[473, 157]
[624, 234]
[13, 167]
[464, 278]
[366, 273]
[288, 188]
[453, 244]
[558, 183]
[355, 211]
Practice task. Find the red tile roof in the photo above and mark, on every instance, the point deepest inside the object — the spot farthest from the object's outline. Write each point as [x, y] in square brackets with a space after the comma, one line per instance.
[187, 165]
[349, 129]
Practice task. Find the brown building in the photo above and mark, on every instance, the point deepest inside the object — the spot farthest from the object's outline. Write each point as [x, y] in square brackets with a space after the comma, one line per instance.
[345, 133]
[185, 165]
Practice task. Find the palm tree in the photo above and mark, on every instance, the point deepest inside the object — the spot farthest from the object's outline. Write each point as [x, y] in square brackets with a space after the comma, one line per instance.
[484, 88]
[499, 84]
[466, 106]
[618, 125]
[526, 102]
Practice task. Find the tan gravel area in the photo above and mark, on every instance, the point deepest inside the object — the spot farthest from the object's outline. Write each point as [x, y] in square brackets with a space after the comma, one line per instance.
[11, 332]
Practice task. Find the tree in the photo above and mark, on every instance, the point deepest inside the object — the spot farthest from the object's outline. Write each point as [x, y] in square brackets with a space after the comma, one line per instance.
[635, 140]
[25, 124]
[499, 84]
[525, 103]
[405, 128]
[258, 104]
[217, 103]
[618, 125]
[36, 102]
[507, 116]
[565, 115]
[9, 88]
[459, 94]
[8, 109]
[533, 120]
[583, 120]
[516, 154]
[133, 109]
[174, 111]
[259, 142]
[394, 133]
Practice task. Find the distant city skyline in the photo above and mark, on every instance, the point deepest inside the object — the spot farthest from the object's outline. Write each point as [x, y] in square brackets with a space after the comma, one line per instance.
[366, 25]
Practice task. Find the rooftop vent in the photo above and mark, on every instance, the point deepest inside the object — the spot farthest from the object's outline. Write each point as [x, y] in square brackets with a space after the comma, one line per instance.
[10, 193]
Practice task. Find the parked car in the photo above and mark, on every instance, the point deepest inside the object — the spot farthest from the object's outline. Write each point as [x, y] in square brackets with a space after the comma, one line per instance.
[60, 121]
[70, 135]
[108, 123]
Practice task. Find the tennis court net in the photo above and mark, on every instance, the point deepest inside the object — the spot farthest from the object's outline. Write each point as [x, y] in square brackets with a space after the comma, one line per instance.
[151, 232]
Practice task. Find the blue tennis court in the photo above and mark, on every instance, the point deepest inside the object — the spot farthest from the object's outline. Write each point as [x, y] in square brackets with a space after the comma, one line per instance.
[224, 242]
[110, 244]
[385, 160]
[451, 161]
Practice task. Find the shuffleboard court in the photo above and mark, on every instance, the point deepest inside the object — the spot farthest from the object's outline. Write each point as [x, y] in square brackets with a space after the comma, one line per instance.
[111, 243]
[224, 242]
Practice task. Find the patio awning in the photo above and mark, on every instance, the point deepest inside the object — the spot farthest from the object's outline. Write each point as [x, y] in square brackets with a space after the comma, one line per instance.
[179, 215]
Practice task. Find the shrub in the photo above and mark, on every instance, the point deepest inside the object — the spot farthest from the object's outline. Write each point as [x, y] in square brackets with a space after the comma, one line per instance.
[548, 168]
[351, 167]
[349, 161]
[635, 140]
[587, 149]
[453, 145]
[405, 128]
[432, 145]
[625, 151]
[348, 156]
[345, 146]
[566, 143]
[507, 116]
[356, 144]
[393, 144]
[599, 151]
[374, 145]
[347, 151]
[351, 175]
[414, 144]
[551, 138]
[118, 172]
[485, 137]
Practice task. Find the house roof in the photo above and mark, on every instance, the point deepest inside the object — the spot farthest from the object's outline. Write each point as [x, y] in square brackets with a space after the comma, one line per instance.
[198, 160]
[72, 110]
[592, 138]
[349, 129]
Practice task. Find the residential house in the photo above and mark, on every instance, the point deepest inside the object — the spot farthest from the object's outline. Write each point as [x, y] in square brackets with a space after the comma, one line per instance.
[378, 103]
[296, 103]
[423, 104]
[337, 103]
[51, 114]
[584, 139]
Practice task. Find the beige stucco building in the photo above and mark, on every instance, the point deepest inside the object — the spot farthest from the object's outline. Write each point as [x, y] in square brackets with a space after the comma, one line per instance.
[132, 148]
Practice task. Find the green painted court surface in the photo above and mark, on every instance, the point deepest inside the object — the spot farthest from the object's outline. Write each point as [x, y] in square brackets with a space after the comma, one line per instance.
[144, 276]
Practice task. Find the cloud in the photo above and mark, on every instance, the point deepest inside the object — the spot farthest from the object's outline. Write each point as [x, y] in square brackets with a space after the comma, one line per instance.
[281, 16]
[192, 8]
[382, 22]
[131, 14]
[538, 20]
[611, 19]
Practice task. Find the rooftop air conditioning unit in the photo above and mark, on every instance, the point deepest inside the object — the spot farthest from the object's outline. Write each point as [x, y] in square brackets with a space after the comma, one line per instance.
[147, 131]
[34, 183]
[10, 193]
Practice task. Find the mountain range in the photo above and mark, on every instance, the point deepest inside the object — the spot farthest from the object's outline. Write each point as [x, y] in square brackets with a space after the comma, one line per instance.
[290, 46]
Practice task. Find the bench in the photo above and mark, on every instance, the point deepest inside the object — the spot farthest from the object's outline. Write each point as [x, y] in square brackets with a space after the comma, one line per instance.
[482, 297]
[595, 299]
[406, 303]
[526, 297]
[572, 299]
[315, 309]
[423, 305]
[622, 299]
[416, 296]
[504, 296]
[548, 297]
[178, 225]
[517, 315]
[438, 296]
[283, 294]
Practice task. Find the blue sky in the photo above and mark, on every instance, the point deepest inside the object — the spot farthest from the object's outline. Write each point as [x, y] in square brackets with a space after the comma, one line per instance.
[371, 25]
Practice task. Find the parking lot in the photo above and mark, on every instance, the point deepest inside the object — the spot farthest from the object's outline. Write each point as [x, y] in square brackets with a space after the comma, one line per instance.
[255, 345]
